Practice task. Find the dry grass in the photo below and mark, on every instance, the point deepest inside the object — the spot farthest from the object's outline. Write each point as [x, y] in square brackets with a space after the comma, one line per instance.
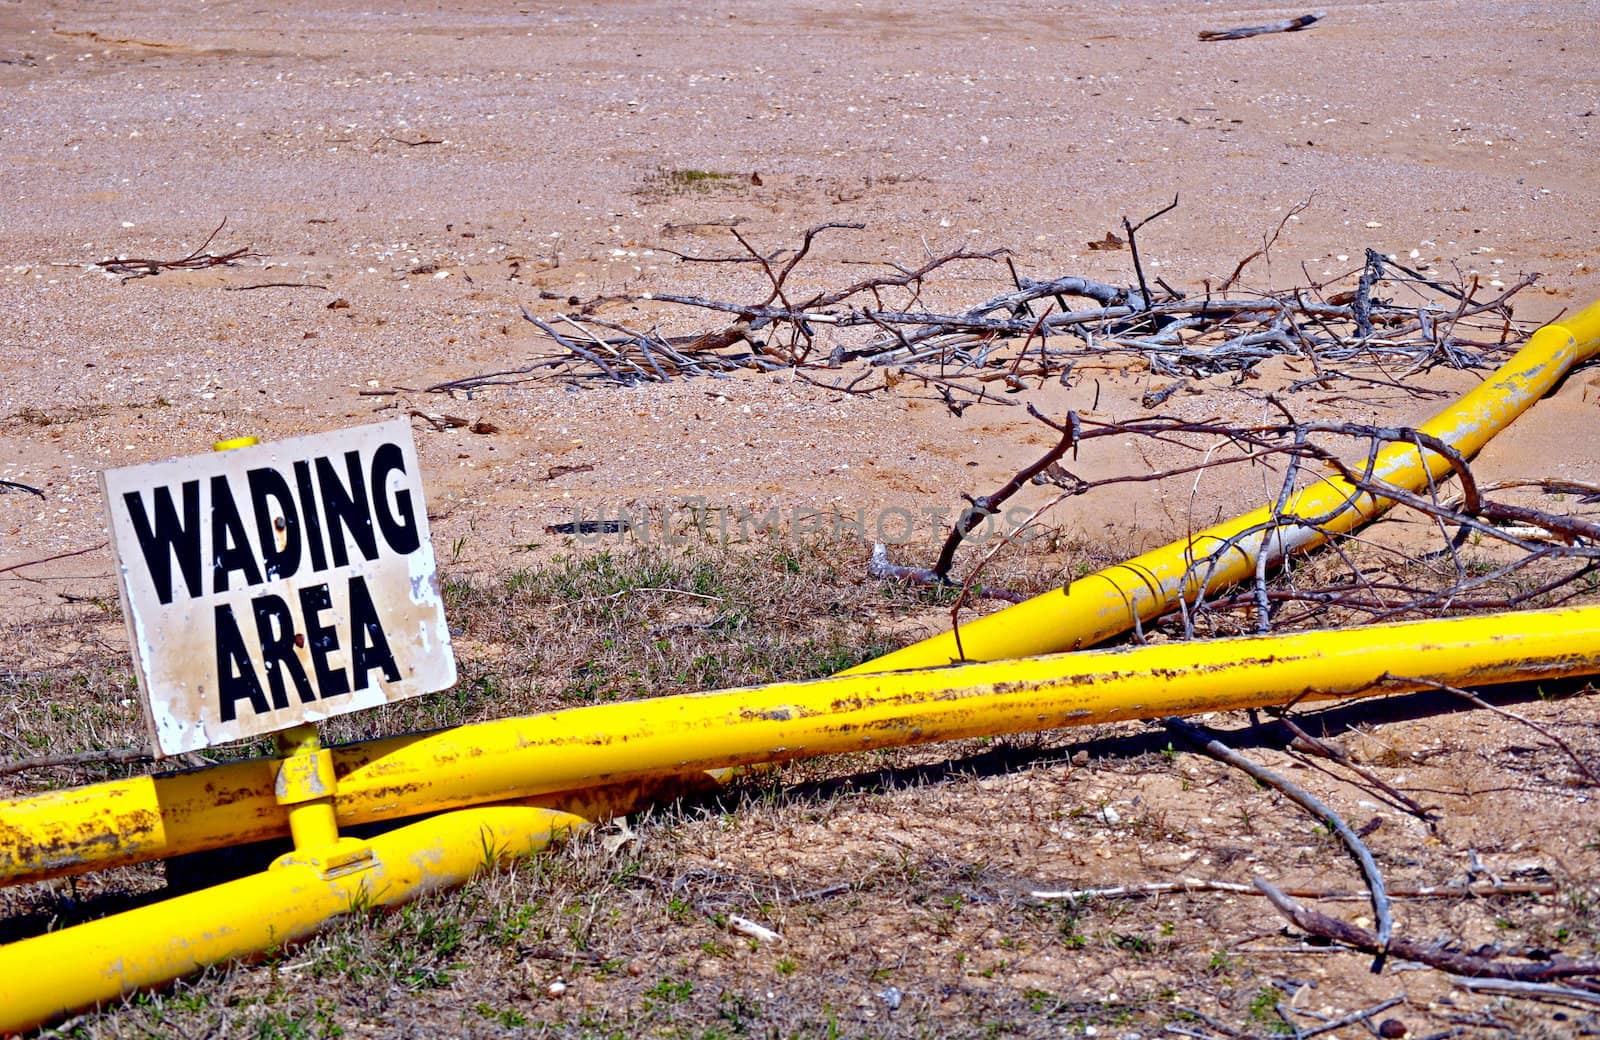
[899, 881]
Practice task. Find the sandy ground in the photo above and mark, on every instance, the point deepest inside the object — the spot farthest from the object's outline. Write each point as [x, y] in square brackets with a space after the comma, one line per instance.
[437, 169]
[130, 130]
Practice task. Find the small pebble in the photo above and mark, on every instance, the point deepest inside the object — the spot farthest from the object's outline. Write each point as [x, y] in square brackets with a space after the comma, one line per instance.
[556, 988]
[1392, 1029]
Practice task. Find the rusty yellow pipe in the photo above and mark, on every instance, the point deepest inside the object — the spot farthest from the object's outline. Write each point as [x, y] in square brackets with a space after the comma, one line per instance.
[1107, 603]
[570, 750]
[610, 743]
[152, 817]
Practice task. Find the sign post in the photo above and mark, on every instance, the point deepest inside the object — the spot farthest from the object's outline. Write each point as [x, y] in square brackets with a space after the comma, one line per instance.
[269, 586]
[306, 784]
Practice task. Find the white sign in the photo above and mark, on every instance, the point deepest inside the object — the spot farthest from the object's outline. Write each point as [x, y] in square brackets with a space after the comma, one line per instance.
[278, 584]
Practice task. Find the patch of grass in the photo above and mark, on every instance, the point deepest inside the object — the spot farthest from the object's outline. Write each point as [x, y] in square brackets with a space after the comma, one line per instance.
[414, 948]
[509, 1018]
[686, 180]
[1263, 1011]
[60, 416]
[676, 182]
[671, 991]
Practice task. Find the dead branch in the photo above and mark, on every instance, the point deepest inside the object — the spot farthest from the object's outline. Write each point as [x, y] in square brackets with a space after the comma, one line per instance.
[116, 756]
[8, 486]
[1313, 922]
[1348, 1020]
[1305, 21]
[134, 268]
[51, 559]
[1267, 243]
[275, 285]
[1145, 299]
[419, 142]
[1306, 800]
[878, 566]
[985, 506]
[1304, 741]
[1527, 990]
[883, 321]
[1156, 888]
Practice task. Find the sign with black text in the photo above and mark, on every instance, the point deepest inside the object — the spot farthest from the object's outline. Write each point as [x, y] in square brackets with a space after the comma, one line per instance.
[278, 584]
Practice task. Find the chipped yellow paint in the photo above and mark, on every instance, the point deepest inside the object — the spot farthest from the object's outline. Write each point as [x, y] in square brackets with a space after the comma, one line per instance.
[306, 786]
[69, 831]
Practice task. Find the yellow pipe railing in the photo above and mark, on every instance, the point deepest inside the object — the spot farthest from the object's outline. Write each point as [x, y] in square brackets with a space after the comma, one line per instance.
[1104, 604]
[49, 975]
[152, 817]
[683, 735]
[522, 757]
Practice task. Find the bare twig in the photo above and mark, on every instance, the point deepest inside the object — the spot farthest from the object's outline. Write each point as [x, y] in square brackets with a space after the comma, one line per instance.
[1304, 740]
[1306, 800]
[879, 566]
[1348, 1020]
[139, 268]
[51, 559]
[7, 486]
[1469, 965]
[78, 758]
[1157, 888]
[275, 285]
[1527, 990]
[1266, 243]
[985, 506]
[1133, 247]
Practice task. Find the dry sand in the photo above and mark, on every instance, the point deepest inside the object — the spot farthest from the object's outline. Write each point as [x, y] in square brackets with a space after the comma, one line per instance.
[440, 167]
[1463, 130]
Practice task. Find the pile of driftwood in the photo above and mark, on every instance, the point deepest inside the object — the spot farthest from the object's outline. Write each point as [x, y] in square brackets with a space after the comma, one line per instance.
[1385, 322]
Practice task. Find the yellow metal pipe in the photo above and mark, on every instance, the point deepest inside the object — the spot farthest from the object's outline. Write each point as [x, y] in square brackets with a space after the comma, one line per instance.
[151, 817]
[610, 743]
[49, 975]
[305, 780]
[570, 750]
[1106, 603]
[52, 974]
